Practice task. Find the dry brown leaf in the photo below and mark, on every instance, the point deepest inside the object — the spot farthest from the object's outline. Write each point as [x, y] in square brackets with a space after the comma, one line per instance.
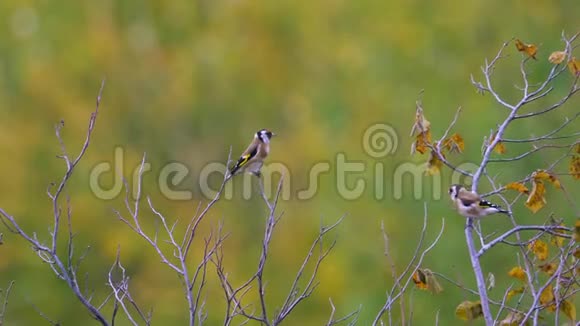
[499, 147]
[544, 175]
[536, 199]
[421, 143]
[420, 279]
[529, 49]
[557, 57]
[574, 167]
[513, 319]
[433, 165]
[547, 297]
[517, 186]
[518, 273]
[539, 248]
[574, 66]
[548, 268]
[569, 309]
[468, 310]
[454, 143]
[511, 293]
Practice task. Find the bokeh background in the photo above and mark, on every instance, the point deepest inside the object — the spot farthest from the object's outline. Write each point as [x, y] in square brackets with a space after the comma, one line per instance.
[185, 80]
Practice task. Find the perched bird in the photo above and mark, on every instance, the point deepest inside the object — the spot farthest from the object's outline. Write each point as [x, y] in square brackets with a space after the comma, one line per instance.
[470, 204]
[253, 157]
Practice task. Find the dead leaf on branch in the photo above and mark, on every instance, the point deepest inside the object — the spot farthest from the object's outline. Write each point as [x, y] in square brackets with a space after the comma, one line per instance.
[513, 319]
[499, 147]
[422, 131]
[574, 167]
[530, 49]
[536, 200]
[539, 248]
[518, 272]
[468, 310]
[433, 165]
[557, 57]
[547, 298]
[574, 66]
[424, 279]
[517, 186]
[454, 143]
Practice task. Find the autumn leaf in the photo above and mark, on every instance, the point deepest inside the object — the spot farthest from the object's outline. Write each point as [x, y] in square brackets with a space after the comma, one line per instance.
[569, 309]
[420, 279]
[577, 253]
[536, 199]
[511, 293]
[547, 297]
[468, 310]
[539, 248]
[433, 165]
[454, 143]
[513, 319]
[543, 175]
[518, 273]
[422, 142]
[557, 57]
[529, 49]
[556, 240]
[548, 268]
[574, 167]
[577, 231]
[574, 66]
[499, 147]
[424, 279]
[520, 187]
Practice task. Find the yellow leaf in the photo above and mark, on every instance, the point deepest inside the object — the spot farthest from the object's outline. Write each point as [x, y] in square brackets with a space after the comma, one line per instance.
[513, 319]
[529, 49]
[574, 167]
[424, 279]
[577, 231]
[420, 279]
[432, 283]
[454, 143]
[433, 165]
[539, 248]
[548, 268]
[547, 296]
[557, 241]
[518, 273]
[422, 142]
[468, 310]
[513, 292]
[569, 309]
[421, 124]
[499, 147]
[544, 175]
[577, 253]
[536, 199]
[517, 187]
[557, 57]
[574, 66]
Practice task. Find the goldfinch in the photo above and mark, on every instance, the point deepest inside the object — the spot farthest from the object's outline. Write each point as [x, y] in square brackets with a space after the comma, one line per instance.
[253, 157]
[470, 204]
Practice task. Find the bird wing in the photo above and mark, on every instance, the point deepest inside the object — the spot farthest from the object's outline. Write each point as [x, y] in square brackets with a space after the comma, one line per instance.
[248, 154]
[468, 198]
[485, 204]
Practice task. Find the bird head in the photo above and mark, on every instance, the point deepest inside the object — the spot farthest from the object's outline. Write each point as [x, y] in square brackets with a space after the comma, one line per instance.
[264, 135]
[454, 190]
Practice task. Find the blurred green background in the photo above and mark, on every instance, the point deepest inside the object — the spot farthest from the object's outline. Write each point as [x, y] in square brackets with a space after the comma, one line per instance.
[185, 80]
